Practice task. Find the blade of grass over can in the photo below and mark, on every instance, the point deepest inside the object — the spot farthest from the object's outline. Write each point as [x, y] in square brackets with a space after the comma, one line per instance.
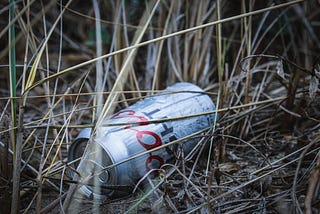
[135, 135]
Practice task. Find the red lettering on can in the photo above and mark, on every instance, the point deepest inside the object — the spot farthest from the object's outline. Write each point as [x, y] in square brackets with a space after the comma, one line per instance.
[156, 137]
[130, 114]
[123, 114]
[154, 157]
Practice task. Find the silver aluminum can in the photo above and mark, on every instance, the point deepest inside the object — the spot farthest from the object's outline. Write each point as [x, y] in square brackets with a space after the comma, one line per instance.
[118, 143]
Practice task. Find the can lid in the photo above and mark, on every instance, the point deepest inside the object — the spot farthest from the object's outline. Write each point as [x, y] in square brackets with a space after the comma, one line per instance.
[77, 148]
[93, 162]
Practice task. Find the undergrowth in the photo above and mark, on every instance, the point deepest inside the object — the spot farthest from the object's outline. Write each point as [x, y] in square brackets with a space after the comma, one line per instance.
[68, 65]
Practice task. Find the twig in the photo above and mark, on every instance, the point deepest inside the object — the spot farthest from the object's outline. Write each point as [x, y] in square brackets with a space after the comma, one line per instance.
[295, 180]
[53, 204]
[314, 178]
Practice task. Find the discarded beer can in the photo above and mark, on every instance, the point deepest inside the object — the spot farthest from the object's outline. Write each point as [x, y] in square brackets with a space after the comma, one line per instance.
[118, 143]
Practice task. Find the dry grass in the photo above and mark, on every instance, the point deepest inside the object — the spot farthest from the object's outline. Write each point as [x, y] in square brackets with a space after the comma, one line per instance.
[257, 60]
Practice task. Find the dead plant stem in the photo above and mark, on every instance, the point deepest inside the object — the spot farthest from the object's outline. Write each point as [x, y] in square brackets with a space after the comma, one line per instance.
[162, 38]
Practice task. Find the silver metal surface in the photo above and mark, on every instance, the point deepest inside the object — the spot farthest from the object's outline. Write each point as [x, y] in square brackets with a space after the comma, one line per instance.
[118, 143]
